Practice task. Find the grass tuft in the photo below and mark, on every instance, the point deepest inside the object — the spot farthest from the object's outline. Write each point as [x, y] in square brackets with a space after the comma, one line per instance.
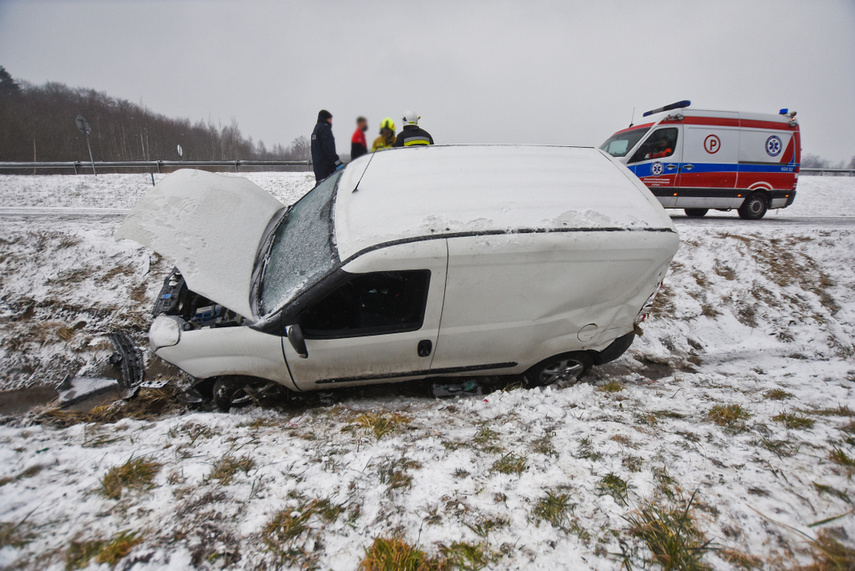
[510, 463]
[396, 474]
[614, 486]
[731, 416]
[118, 547]
[487, 439]
[794, 420]
[486, 525]
[823, 489]
[395, 554]
[136, 473]
[829, 554]
[111, 552]
[611, 387]
[841, 458]
[13, 535]
[553, 507]
[382, 423]
[292, 539]
[778, 394]
[466, 556]
[671, 535]
[228, 466]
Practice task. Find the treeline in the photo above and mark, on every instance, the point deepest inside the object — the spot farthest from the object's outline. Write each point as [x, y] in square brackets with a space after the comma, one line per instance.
[817, 162]
[37, 123]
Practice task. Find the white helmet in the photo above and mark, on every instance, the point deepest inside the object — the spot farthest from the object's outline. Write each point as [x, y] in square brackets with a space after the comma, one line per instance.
[410, 118]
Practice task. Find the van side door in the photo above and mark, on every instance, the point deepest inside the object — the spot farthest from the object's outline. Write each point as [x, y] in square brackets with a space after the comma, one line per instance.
[657, 161]
[710, 160]
[380, 322]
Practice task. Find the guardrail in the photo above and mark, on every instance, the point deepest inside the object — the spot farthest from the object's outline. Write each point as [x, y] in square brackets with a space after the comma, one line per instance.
[158, 166]
[821, 172]
[149, 166]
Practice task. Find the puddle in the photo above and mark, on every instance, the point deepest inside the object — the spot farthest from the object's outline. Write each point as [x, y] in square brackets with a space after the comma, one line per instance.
[22, 401]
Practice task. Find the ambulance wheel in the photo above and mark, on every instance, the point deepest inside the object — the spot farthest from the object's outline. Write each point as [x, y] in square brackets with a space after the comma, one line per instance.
[567, 367]
[754, 207]
[696, 212]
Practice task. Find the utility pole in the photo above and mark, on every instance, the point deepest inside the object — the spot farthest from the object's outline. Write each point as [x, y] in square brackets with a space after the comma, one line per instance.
[83, 126]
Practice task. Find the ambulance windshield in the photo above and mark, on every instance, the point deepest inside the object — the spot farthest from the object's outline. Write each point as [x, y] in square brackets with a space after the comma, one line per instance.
[619, 144]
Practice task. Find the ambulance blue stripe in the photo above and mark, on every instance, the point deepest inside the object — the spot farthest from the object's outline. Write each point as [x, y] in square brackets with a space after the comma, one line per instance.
[645, 170]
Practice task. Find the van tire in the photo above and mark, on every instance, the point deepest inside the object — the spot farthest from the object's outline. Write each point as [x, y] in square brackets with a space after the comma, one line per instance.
[754, 207]
[567, 367]
[696, 212]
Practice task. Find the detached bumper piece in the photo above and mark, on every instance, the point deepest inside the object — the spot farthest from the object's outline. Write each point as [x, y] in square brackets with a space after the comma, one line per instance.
[128, 358]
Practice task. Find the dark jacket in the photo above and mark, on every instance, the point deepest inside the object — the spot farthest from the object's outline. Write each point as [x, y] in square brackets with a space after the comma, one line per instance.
[358, 146]
[413, 135]
[324, 158]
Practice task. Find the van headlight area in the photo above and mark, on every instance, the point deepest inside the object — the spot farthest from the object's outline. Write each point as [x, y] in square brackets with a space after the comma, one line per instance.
[439, 261]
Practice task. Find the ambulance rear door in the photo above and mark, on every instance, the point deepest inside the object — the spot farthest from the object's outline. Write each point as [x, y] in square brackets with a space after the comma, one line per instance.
[710, 160]
[656, 161]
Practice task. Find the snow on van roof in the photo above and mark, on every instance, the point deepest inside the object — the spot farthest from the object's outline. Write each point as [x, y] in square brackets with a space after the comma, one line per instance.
[440, 190]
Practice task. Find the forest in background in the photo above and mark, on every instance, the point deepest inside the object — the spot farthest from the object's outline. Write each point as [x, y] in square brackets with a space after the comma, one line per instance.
[37, 123]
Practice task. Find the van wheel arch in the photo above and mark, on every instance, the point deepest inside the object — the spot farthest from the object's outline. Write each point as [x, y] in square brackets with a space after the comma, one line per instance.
[568, 367]
[755, 206]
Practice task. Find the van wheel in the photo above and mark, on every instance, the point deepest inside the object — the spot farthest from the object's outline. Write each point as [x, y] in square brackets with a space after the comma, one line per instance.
[567, 367]
[229, 392]
[754, 207]
[696, 212]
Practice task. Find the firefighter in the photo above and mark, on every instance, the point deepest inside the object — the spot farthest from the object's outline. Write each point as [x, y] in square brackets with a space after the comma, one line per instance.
[661, 148]
[386, 140]
[358, 146]
[412, 135]
[325, 161]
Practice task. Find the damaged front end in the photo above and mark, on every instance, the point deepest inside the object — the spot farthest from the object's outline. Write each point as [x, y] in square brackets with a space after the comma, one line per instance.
[179, 309]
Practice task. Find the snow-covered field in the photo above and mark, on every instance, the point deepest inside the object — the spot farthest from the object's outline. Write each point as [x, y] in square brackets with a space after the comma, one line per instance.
[739, 396]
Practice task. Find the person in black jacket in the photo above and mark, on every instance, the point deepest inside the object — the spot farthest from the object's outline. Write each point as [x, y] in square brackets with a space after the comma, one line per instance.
[412, 134]
[325, 161]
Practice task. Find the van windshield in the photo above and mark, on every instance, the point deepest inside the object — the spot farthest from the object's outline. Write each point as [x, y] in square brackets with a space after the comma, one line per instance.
[619, 144]
[302, 251]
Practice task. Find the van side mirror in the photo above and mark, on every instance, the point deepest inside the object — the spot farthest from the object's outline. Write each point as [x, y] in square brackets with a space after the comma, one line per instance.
[298, 342]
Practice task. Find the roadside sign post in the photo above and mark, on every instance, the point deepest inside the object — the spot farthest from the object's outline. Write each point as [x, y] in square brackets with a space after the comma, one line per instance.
[83, 127]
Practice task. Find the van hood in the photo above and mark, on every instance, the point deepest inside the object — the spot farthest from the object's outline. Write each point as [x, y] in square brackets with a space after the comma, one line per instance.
[211, 226]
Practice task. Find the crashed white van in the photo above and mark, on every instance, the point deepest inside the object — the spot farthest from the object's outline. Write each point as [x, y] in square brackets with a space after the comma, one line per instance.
[413, 263]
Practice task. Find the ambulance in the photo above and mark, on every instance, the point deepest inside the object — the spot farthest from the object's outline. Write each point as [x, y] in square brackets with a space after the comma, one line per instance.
[701, 160]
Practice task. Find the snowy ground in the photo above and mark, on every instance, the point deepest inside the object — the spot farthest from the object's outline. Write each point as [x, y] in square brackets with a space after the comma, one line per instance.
[740, 391]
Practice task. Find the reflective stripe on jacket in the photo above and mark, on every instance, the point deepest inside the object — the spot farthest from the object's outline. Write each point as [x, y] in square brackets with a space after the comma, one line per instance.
[413, 135]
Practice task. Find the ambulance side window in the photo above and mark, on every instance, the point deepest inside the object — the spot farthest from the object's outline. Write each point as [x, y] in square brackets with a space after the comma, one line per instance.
[660, 144]
[370, 304]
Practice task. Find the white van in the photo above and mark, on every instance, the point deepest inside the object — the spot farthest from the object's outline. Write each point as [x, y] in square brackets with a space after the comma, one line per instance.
[408, 264]
[701, 160]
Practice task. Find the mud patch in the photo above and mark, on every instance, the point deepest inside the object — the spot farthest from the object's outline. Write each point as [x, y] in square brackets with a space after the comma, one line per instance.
[21, 401]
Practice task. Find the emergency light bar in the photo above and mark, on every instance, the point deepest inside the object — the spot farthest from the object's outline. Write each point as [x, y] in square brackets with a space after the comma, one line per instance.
[677, 105]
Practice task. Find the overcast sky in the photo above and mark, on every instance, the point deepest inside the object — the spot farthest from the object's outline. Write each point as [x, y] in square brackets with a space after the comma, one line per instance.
[557, 72]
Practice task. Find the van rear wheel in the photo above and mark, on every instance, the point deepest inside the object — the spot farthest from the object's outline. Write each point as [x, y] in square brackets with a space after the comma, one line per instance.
[754, 207]
[567, 367]
[696, 212]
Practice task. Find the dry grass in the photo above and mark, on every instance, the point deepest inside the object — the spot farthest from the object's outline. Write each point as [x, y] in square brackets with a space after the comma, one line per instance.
[841, 458]
[395, 473]
[778, 394]
[148, 404]
[292, 538]
[829, 554]
[614, 486]
[611, 387]
[554, 508]
[671, 535]
[395, 554]
[510, 463]
[731, 416]
[136, 473]
[382, 423]
[794, 420]
[110, 552]
[228, 466]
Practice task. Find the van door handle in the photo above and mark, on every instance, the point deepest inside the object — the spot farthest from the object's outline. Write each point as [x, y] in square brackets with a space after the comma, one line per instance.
[671, 167]
[425, 347]
[688, 167]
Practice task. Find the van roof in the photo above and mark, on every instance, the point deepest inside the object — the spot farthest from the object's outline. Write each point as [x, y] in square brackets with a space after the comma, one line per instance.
[744, 115]
[422, 192]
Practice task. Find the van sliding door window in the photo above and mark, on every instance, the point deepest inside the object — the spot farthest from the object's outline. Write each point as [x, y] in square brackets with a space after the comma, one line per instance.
[658, 145]
[370, 304]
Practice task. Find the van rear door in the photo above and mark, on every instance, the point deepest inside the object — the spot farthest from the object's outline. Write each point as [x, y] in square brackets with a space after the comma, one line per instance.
[710, 157]
[657, 161]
